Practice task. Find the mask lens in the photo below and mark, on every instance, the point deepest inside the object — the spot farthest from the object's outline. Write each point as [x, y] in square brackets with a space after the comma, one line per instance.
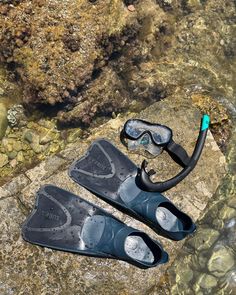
[161, 135]
[133, 129]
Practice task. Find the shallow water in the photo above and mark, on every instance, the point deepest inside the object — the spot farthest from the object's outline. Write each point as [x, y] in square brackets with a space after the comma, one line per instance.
[10, 92]
[207, 263]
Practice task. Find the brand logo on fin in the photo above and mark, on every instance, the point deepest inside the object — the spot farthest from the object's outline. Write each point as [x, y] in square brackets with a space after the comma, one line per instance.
[97, 163]
[49, 215]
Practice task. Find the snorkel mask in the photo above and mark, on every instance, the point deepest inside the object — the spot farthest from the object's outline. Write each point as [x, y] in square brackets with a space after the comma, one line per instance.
[155, 138]
[141, 134]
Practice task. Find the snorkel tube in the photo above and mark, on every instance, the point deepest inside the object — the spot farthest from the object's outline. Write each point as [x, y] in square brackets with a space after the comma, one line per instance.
[143, 177]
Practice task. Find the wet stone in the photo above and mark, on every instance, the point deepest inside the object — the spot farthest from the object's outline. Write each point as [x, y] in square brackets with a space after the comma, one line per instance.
[16, 116]
[231, 280]
[17, 146]
[184, 275]
[46, 139]
[13, 163]
[204, 239]
[3, 120]
[221, 261]
[36, 146]
[47, 124]
[207, 281]
[28, 136]
[3, 160]
[202, 259]
[74, 135]
[20, 157]
[227, 213]
[232, 203]
[12, 155]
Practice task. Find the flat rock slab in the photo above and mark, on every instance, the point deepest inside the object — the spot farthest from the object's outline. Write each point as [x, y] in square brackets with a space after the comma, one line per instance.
[29, 269]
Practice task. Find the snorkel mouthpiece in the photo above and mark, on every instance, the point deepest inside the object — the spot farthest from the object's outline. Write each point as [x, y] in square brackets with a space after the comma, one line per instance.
[143, 176]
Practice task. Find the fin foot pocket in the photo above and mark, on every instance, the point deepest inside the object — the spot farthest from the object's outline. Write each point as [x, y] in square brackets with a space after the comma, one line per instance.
[136, 248]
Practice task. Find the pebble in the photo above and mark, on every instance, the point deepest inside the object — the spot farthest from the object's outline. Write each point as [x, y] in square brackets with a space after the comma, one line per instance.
[3, 160]
[20, 157]
[9, 147]
[47, 124]
[204, 239]
[54, 148]
[232, 203]
[12, 155]
[16, 116]
[227, 213]
[202, 259]
[45, 139]
[207, 281]
[131, 8]
[184, 276]
[17, 146]
[115, 123]
[221, 261]
[13, 163]
[28, 136]
[36, 147]
[222, 42]
[74, 135]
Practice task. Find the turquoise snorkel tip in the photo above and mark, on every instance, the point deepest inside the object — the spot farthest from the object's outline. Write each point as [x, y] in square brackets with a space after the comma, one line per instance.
[205, 122]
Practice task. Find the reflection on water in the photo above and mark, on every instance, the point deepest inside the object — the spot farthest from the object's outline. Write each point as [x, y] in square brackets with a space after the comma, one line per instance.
[208, 260]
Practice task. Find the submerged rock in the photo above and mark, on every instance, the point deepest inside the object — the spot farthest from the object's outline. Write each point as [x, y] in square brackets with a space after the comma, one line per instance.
[3, 120]
[207, 281]
[28, 136]
[105, 94]
[204, 239]
[221, 261]
[57, 46]
[62, 51]
[16, 116]
[3, 160]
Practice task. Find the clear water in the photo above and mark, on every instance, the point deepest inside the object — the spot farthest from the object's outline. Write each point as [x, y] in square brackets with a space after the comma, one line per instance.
[207, 264]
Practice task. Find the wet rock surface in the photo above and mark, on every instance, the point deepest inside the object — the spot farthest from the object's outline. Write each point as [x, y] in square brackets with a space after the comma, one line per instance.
[27, 268]
[210, 254]
[3, 120]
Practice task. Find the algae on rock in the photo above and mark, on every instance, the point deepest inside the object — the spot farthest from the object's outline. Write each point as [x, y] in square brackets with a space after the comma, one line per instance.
[59, 49]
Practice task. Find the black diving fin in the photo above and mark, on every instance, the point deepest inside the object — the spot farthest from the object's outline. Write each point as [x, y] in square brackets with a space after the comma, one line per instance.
[63, 221]
[111, 175]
